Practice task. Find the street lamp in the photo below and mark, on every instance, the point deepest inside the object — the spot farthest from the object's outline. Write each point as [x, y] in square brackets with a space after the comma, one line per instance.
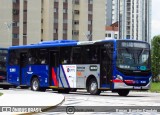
[88, 36]
[8, 25]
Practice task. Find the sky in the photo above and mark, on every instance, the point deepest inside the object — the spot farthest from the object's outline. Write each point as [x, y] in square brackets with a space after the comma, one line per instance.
[155, 24]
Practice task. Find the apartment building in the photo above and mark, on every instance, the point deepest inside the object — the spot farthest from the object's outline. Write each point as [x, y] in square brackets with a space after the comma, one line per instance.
[112, 7]
[31, 21]
[112, 31]
[134, 17]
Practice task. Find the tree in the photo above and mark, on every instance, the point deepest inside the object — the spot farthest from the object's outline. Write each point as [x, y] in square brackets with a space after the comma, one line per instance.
[155, 56]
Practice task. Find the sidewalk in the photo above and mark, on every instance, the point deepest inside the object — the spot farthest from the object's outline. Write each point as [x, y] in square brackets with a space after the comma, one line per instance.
[28, 98]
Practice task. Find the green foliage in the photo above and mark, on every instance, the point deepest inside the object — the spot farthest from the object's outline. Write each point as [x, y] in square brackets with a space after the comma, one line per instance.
[1, 94]
[155, 56]
[155, 87]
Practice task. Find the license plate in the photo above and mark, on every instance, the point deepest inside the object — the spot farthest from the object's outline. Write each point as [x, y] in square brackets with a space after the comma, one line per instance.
[137, 87]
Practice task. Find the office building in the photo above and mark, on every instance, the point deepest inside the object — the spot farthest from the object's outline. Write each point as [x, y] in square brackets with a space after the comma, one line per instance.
[134, 17]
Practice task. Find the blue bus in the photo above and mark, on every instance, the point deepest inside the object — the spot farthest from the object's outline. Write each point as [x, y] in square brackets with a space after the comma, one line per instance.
[64, 65]
[3, 60]
[3, 69]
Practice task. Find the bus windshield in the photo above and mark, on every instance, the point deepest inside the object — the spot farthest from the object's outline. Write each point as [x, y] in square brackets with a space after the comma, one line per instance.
[133, 56]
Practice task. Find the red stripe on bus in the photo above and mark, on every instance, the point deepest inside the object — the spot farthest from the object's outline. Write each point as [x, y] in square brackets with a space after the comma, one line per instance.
[117, 81]
[54, 78]
[129, 81]
[1, 77]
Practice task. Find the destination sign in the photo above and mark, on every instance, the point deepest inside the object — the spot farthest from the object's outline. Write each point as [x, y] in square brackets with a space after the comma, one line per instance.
[134, 44]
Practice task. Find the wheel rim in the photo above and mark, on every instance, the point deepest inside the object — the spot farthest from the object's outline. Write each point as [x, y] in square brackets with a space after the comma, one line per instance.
[35, 85]
[93, 86]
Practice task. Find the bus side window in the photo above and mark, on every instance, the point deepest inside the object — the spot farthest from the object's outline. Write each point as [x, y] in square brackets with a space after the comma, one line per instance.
[76, 55]
[13, 57]
[32, 56]
[91, 54]
[43, 56]
[109, 49]
[23, 59]
[65, 54]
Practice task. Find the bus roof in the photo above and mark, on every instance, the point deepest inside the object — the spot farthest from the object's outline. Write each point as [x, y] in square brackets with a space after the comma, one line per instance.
[3, 48]
[45, 44]
[56, 43]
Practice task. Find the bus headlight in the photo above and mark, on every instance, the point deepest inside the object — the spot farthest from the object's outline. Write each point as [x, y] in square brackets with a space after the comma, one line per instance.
[119, 77]
[150, 79]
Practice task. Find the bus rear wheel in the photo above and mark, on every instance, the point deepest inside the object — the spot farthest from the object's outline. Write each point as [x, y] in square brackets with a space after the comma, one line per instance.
[123, 92]
[35, 84]
[93, 87]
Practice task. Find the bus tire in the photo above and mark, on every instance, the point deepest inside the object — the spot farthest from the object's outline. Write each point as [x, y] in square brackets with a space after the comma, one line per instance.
[35, 86]
[93, 87]
[123, 92]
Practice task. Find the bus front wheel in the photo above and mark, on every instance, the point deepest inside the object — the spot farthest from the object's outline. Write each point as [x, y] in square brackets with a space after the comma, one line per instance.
[93, 87]
[35, 84]
[123, 92]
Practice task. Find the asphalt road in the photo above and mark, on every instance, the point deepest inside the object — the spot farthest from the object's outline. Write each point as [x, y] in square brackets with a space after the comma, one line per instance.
[82, 98]
[135, 99]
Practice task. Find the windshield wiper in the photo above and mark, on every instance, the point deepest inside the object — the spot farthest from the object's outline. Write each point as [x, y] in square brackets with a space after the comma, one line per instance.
[132, 54]
[140, 54]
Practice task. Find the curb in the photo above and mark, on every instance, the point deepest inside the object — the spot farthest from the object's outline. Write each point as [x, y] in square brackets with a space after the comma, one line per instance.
[52, 107]
[45, 109]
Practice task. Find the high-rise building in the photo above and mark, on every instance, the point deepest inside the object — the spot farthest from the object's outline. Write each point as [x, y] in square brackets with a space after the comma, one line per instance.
[134, 17]
[111, 12]
[31, 21]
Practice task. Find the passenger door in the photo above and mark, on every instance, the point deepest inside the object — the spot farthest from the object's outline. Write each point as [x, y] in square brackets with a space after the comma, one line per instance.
[53, 67]
[23, 68]
[106, 66]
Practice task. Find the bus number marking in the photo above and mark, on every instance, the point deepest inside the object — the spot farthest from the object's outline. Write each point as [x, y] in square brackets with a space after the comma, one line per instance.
[12, 69]
[93, 68]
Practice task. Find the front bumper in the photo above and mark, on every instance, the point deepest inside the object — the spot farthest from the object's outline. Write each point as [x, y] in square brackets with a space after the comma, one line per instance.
[122, 85]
